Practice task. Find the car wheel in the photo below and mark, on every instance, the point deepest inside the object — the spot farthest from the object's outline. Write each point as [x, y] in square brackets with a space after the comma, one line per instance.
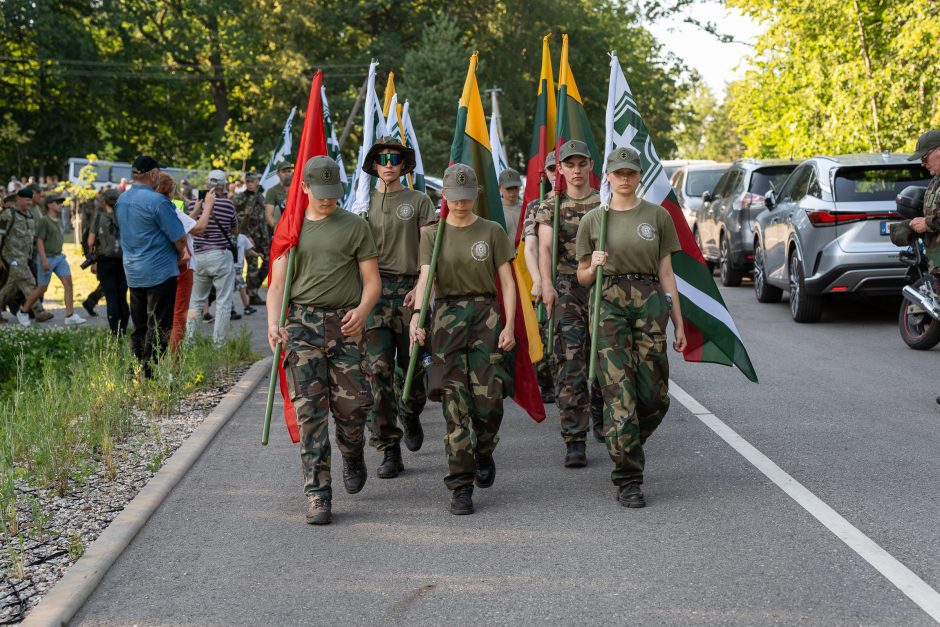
[764, 292]
[698, 242]
[730, 276]
[803, 307]
[918, 329]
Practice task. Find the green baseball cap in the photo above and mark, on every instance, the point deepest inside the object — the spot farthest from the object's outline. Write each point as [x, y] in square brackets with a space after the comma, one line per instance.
[550, 160]
[460, 182]
[51, 198]
[925, 143]
[284, 164]
[253, 176]
[573, 148]
[321, 174]
[623, 158]
[509, 178]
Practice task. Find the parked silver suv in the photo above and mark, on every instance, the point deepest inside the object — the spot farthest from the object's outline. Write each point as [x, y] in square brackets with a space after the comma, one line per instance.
[691, 181]
[725, 221]
[826, 231]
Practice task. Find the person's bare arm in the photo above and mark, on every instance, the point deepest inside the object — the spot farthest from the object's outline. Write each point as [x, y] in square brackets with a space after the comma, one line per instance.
[355, 319]
[205, 215]
[276, 333]
[546, 237]
[507, 337]
[269, 215]
[41, 249]
[530, 252]
[668, 280]
[416, 334]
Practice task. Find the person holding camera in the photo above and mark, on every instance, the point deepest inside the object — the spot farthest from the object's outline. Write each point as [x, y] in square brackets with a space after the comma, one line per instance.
[104, 247]
[215, 259]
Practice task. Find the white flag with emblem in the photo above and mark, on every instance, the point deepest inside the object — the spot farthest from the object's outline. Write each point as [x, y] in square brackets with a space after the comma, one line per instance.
[500, 162]
[711, 333]
[373, 127]
[332, 144]
[411, 139]
[281, 153]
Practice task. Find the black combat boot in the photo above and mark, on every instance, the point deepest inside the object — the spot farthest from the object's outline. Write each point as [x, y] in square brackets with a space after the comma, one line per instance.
[414, 433]
[597, 424]
[391, 464]
[461, 500]
[630, 495]
[319, 510]
[486, 471]
[576, 456]
[548, 395]
[354, 473]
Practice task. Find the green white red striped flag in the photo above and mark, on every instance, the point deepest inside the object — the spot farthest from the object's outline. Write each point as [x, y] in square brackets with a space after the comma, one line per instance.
[711, 333]
[411, 140]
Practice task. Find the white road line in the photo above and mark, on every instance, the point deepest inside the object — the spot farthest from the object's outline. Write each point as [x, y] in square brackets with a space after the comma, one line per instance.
[902, 577]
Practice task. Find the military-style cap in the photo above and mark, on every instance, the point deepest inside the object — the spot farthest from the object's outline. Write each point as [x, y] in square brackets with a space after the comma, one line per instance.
[623, 158]
[283, 164]
[925, 143]
[389, 143]
[9, 197]
[321, 174]
[217, 177]
[573, 148]
[550, 160]
[253, 176]
[51, 198]
[25, 192]
[110, 196]
[509, 178]
[460, 182]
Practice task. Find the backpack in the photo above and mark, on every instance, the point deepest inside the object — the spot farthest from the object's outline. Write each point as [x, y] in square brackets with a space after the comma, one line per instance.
[107, 239]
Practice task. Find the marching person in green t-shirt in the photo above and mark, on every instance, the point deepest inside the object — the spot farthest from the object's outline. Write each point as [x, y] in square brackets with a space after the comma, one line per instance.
[50, 258]
[469, 344]
[396, 216]
[638, 297]
[335, 285]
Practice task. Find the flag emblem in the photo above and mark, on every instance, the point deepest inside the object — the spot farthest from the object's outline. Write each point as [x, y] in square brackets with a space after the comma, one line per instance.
[405, 212]
[623, 154]
[461, 178]
[646, 231]
[326, 175]
[480, 251]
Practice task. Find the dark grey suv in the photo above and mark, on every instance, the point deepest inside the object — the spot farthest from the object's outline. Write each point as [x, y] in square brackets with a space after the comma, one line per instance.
[724, 224]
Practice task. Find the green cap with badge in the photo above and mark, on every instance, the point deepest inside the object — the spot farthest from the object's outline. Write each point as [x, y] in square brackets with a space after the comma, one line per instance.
[460, 182]
[283, 164]
[321, 174]
[925, 143]
[550, 160]
[623, 158]
[509, 178]
[573, 148]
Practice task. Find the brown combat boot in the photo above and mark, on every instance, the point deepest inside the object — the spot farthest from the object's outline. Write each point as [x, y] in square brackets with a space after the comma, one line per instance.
[319, 510]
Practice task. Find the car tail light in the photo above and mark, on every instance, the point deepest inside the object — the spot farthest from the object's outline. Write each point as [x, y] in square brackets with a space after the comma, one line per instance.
[840, 288]
[749, 200]
[830, 218]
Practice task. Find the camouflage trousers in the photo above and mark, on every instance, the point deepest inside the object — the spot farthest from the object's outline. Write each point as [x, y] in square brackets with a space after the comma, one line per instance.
[387, 345]
[472, 378]
[633, 370]
[257, 266]
[20, 282]
[325, 375]
[545, 368]
[572, 342]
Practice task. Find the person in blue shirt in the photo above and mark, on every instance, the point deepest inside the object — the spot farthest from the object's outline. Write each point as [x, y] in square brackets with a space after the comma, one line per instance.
[154, 248]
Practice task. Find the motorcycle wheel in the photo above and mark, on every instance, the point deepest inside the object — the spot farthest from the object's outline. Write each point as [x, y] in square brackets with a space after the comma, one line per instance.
[918, 330]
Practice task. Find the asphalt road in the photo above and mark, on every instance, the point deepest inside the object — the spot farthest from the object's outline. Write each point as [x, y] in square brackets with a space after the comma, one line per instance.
[843, 406]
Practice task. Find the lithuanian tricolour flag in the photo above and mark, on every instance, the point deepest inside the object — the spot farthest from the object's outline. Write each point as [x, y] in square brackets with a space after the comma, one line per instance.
[543, 128]
[472, 147]
[572, 120]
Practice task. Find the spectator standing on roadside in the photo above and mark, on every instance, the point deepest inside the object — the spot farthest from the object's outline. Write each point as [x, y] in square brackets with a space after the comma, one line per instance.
[250, 207]
[154, 243]
[104, 241]
[215, 262]
[49, 256]
[275, 198]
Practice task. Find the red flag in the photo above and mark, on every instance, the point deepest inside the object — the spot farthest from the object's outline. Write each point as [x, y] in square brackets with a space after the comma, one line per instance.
[287, 232]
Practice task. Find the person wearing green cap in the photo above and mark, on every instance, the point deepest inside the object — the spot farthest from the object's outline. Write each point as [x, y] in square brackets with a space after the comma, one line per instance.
[576, 400]
[49, 256]
[17, 235]
[334, 287]
[275, 198]
[638, 297]
[928, 153]
[249, 206]
[510, 188]
[470, 345]
[396, 216]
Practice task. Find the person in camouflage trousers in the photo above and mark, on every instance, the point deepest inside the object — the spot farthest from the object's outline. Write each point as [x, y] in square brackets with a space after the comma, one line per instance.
[249, 207]
[17, 236]
[334, 286]
[637, 288]
[470, 347]
[578, 403]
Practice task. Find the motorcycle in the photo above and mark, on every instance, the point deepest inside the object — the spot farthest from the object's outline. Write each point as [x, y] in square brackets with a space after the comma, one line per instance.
[919, 315]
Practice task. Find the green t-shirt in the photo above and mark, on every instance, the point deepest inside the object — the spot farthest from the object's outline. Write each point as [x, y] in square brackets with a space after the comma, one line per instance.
[469, 256]
[395, 220]
[50, 232]
[276, 196]
[326, 267]
[572, 211]
[511, 215]
[636, 239]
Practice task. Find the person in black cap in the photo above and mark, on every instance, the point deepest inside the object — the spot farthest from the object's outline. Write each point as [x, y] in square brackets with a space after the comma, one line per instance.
[396, 216]
[17, 232]
[154, 245]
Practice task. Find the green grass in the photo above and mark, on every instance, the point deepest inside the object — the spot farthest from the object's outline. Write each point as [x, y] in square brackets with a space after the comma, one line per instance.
[73, 394]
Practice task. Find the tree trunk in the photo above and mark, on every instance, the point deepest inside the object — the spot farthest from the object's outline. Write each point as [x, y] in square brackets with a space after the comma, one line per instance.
[219, 88]
[863, 44]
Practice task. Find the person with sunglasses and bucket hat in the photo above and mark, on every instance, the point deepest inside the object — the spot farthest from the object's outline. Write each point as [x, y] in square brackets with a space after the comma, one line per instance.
[638, 297]
[396, 216]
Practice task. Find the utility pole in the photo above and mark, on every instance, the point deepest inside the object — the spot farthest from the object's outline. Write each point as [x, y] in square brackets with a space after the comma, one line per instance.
[494, 93]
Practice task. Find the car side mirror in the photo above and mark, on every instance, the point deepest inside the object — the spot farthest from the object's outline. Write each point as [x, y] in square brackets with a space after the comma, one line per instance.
[770, 200]
[707, 196]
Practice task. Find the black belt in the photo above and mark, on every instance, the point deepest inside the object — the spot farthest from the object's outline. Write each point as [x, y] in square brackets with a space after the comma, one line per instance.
[452, 299]
[392, 276]
[634, 276]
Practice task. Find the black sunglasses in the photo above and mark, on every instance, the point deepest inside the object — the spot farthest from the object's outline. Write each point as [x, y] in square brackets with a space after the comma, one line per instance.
[389, 158]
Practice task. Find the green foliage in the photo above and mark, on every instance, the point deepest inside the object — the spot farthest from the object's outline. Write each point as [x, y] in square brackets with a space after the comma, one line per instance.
[31, 351]
[836, 76]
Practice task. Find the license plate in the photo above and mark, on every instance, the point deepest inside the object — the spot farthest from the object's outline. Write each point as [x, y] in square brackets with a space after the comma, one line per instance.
[886, 227]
